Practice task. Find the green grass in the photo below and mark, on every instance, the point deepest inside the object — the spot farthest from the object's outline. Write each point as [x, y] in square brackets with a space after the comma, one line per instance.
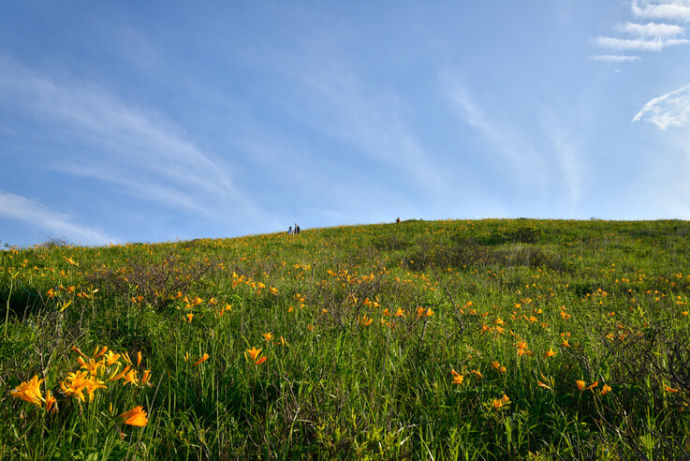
[502, 293]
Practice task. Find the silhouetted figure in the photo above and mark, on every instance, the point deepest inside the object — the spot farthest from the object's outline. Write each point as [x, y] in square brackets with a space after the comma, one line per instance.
[297, 229]
[397, 220]
[290, 231]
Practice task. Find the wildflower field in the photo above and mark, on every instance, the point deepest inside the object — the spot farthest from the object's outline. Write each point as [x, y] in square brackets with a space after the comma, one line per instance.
[487, 339]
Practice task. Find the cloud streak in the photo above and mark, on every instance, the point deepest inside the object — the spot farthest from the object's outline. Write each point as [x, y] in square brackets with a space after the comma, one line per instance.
[502, 137]
[141, 152]
[335, 100]
[639, 44]
[678, 10]
[19, 208]
[652, 29]
[614, 58]
[647, 37]
[668, 110]
[549, 160]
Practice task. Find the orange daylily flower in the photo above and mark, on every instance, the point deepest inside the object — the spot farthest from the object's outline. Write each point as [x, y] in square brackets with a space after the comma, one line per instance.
[78, 351]
[498, 404]
[135, 417]
[115, 376]
[146, 376]
[457, 377]
[91, 366]
[203, 358]
[98, 353]
[130, 377]
[77, 383]
[51, 402]
[111, 358]
[477, 373]
[29, 391]
[253, 353]
[498, 367]
[545, 386]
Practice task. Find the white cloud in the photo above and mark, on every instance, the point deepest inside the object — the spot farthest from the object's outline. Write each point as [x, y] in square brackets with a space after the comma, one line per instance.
[567, 156]
[550, 159]
[506, 139]
[670, 109]
[652, 29]
[20, 208]
[336, 100]
[651, 36]
[137, 149]
[678, 10]
[639, 44]
[614, 58]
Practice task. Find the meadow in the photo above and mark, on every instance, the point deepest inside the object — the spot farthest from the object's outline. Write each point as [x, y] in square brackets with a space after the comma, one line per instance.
[491, 339]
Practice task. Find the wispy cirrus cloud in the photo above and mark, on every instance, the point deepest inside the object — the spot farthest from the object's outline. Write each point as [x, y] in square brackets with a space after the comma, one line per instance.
[651, 29]
[532, 160]
[639, 43]
[337, 101]
[678, 10]
[509, 142]
[668, 110]
[614, 58]
[33, 213]
[646, 37]
[136, 149]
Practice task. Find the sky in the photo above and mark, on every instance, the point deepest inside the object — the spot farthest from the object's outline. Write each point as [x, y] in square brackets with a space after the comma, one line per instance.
[155, 121]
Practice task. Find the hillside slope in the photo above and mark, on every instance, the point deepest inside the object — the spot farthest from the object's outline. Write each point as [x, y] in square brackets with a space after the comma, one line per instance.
[475, 339]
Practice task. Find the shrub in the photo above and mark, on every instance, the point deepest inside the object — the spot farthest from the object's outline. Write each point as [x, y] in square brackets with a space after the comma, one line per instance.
[156, 282]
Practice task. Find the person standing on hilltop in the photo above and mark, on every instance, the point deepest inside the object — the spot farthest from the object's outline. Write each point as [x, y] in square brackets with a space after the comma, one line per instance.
[297, 229]
[290, 231]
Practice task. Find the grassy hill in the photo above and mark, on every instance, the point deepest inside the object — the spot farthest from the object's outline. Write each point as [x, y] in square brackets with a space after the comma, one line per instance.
[487, 339]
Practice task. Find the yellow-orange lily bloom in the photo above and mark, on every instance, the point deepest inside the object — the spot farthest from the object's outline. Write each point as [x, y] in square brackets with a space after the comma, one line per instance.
[203, 358]
[29, 391]
[135, 417]
[117, 375]
[253, 353]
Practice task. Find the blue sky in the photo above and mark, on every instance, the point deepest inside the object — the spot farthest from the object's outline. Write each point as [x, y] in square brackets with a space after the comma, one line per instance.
[154, 121]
